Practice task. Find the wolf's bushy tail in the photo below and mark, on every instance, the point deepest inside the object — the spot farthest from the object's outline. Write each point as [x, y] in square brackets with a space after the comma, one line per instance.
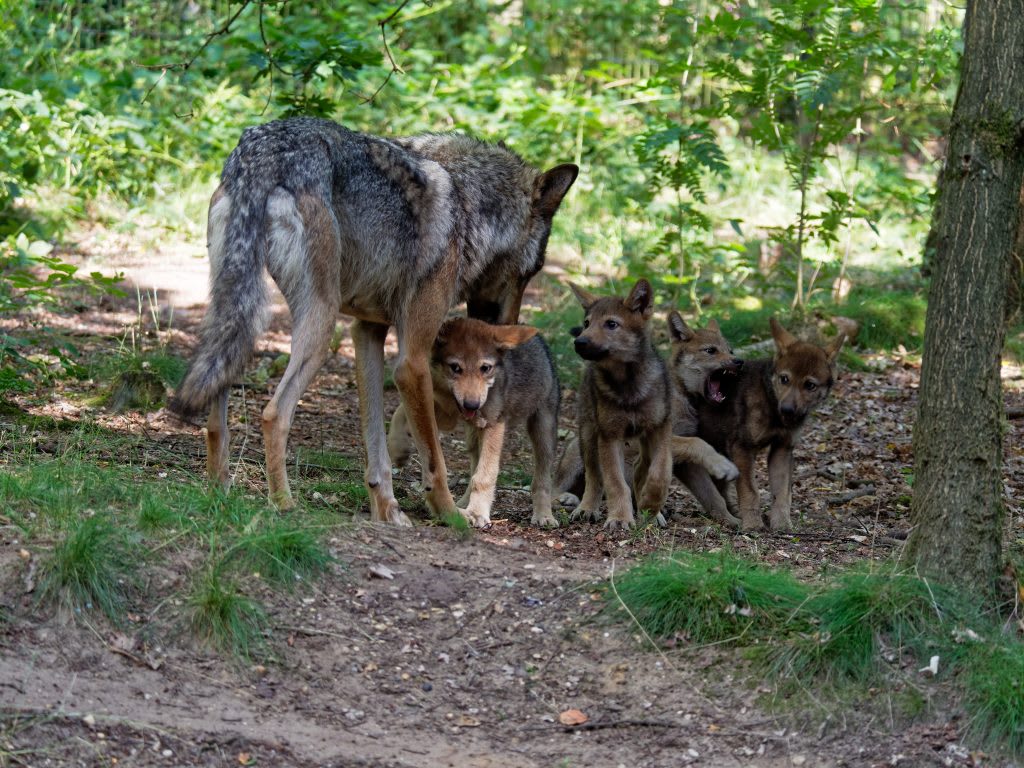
[236, 315]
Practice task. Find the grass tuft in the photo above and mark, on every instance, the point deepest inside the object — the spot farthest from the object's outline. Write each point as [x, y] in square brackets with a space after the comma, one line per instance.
[281, 553]
[93, 566]
[708, 597]
[222, 616]
[864, 621]
[994, 693]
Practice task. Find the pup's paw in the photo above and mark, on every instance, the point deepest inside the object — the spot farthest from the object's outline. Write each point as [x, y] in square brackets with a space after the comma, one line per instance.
[587, 515]
[544, 520]
[568, 499]
[721, 468]
[620, 522]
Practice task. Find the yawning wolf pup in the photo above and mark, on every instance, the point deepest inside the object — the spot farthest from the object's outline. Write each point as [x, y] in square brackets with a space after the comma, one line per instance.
[625, 393]
[703, 369]
[491, 377]
[772, 401]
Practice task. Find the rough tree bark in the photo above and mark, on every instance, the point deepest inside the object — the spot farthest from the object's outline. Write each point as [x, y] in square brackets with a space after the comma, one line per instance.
[957, 506]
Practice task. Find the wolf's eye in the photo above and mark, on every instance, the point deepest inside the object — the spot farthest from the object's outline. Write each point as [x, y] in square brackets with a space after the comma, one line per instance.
[810, 386]
[611, 325]
[456, 368]
[784, 379]
[711, 350]
[486, 368]
[586, 322]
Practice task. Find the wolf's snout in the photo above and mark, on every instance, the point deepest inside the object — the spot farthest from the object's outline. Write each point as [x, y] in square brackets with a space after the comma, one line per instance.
[471, 405]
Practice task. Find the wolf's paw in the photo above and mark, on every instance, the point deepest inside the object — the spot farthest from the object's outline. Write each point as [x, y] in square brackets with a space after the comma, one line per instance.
[544, 520]
[620, 522]
[568, 499]
[587, 515]
[727, 520]
[721, 468]
[752, 524]
[476, 518]
[781, 521]
[393, 514]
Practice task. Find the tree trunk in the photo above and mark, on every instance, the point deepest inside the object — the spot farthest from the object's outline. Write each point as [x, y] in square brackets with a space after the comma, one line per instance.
[957, 506]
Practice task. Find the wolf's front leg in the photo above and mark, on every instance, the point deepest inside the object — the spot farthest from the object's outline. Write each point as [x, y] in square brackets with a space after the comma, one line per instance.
[472, 436]
[400, 445]
[543, 429]
[620, 504]
[368, 339]
[780, 478]
[694, 450]
[484, 481]
[589, 507]
[748, 500]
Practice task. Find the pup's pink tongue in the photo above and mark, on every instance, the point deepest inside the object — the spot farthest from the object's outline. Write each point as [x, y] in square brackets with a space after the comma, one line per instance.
[468, 415]
[715, 391]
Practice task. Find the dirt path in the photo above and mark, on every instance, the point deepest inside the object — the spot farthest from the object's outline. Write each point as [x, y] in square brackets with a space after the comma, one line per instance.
[468, 656]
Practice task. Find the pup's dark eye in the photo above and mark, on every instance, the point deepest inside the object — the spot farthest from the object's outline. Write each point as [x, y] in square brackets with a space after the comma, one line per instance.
[810, 386]
[456, 368]
[711, 350]
[784, 379]
[586, 322]
[486, 368]
[611, 325]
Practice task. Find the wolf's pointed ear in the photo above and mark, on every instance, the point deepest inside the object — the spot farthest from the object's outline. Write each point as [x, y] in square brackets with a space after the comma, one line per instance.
[641, 298]
[833, 347]
[508, 336]
[677, 327]
[551, 187]
[783, 338]
[713, 326]
[447, 329]
[585, 297]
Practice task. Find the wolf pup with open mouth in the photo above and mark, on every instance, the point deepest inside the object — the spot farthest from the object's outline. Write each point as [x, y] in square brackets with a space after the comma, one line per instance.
[491, 378]
[772, 401]
[625, 393]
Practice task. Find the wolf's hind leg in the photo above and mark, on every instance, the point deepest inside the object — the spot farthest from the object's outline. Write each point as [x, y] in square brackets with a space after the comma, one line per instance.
[217, 440]
[368, 339]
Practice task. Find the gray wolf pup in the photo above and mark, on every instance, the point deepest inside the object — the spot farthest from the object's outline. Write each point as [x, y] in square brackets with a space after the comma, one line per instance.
[625, 393]
[771, 402]
[389, 231]
[700, 363]
[492, 378]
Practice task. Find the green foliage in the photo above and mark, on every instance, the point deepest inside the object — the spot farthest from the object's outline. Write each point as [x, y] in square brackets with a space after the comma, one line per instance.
[279, 551]
[994, 693]
[92, 566]
[707, 598]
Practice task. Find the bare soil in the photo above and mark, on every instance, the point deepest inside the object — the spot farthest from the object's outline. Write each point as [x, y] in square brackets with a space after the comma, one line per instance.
[468, 656]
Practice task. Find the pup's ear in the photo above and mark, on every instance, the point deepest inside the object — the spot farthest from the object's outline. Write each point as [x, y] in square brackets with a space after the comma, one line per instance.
[585, 297]
[552, 186]
[677, 327]
[508, 336]
[783, 338]
[447, 328]
[833, 347]
[641, 298]
[713, 326]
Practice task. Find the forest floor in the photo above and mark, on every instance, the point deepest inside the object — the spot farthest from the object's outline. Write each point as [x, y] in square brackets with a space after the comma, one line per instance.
[471, 651]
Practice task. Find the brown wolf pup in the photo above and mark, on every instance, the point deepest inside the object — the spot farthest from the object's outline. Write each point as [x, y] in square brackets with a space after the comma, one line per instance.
[391, 231]
[771, 403]
[625, 393]
[491, 378]
[702, 366]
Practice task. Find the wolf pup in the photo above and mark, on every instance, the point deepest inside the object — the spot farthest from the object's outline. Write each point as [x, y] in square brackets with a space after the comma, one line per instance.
[702, 366]
[389, 231]
[625, 393]
[772, 401]
[491, 378]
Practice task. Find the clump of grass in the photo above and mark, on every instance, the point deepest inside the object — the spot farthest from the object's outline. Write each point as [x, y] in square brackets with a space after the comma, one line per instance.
[53, 492]
[91, 567]
[994, 693]
[280, 552]
[864, 620]
[707, 597]
[224, 617]
[138, 381]
[459, 524]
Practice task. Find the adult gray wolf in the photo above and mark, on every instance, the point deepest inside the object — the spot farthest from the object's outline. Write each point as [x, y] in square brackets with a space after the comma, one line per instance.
[625, 393]
[769, 405]
[492, 378]
[393, 232]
